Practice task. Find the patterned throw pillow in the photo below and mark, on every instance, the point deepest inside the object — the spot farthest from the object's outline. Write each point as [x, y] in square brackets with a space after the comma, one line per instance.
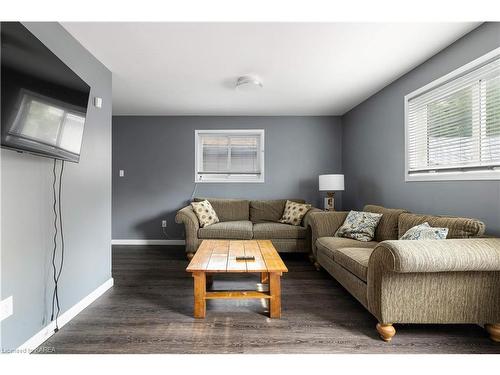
[425, 232]
[205, 213]
[294, 212]
[359, 225]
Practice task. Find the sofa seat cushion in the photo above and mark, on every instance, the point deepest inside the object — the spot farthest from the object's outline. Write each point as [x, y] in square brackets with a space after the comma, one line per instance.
[278, 230]
[354, 259]
[329, 244]
[351, 254]
[231, 230]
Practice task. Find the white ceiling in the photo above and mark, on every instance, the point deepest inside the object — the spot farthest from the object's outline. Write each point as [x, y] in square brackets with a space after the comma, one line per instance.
[306, 68]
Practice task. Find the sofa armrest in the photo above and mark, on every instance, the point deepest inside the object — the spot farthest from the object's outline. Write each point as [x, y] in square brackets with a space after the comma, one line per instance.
[306, 221]
[475, 254]
[439, 281]
[187, 217]
[324, 224]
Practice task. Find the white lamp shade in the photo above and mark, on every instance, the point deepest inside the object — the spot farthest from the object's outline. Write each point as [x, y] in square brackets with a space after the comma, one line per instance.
[331, 182]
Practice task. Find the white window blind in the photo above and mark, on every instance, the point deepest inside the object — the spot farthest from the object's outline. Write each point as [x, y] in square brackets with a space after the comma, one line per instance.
[229, 156]
[453, 125]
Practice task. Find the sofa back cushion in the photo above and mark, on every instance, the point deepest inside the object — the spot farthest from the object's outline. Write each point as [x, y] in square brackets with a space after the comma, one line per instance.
[229, 209]
[262, 211]
[387, 228]
[458, 227]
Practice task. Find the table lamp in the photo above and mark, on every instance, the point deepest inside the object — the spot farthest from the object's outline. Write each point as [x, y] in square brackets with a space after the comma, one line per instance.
[331, 183]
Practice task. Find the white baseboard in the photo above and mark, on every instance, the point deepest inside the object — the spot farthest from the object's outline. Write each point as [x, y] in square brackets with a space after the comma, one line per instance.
[39, 338]
[148, 242]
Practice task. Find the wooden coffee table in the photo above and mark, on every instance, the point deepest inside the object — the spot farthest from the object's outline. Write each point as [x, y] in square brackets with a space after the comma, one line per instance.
[219, 256]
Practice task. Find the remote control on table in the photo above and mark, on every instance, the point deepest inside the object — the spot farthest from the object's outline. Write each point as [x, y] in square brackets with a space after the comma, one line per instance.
[245, 257]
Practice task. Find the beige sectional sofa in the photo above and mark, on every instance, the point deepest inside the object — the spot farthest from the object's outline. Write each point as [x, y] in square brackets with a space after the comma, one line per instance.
[456, 280]
[242, 219]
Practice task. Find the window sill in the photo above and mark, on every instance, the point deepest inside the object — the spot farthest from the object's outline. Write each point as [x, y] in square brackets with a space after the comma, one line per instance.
[454, 176]
[229, 182]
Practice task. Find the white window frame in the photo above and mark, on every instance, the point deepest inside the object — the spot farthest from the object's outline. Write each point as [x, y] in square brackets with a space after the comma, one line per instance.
[229, 178]
[492, 174]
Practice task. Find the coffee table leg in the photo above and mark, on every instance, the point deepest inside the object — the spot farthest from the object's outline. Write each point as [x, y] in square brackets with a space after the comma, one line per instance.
[264, 278]
[275, 291]
[199, 294]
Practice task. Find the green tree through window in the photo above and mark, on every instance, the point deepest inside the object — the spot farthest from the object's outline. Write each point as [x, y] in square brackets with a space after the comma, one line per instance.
[493, 107]
[451, 116]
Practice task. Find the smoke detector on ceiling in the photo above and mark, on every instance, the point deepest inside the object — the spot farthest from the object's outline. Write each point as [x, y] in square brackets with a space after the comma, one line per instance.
[249, 83]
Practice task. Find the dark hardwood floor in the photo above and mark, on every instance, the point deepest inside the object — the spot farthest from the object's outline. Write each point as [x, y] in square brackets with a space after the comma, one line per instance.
[149, 310]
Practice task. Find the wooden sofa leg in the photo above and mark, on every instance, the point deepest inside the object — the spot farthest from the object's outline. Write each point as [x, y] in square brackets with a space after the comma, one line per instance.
[314, 261]
[189, 256]
[494, 331]
[386, 331]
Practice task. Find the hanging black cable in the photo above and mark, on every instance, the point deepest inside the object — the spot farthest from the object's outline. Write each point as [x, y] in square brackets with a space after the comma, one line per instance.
[57, 215]
[54, 251]
[62, 241]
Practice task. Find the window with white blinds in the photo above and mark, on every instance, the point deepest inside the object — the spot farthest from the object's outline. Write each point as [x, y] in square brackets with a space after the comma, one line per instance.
[229, 155]
[453, 124]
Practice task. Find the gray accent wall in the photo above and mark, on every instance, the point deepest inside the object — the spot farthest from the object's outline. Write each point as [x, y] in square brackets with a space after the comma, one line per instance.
[373, 145]
[27, 218]
[157, 155]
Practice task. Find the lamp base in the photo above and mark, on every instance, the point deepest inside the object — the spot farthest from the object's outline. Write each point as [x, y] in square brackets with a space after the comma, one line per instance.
[329, 202]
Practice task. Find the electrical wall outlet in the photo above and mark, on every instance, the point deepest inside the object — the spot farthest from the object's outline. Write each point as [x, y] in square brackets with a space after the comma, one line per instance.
[164, 223]
[6, 308]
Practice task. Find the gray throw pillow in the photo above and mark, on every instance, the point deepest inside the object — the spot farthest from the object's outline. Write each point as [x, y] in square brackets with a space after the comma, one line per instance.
[359, 225]
[425, 232]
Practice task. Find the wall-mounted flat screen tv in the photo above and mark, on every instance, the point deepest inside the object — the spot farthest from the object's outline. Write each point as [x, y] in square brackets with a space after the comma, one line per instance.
[44, 103]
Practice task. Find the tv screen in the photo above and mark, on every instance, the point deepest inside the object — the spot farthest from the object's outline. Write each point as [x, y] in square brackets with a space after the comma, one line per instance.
[44, 103]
